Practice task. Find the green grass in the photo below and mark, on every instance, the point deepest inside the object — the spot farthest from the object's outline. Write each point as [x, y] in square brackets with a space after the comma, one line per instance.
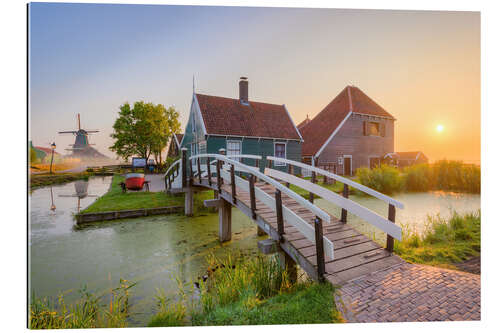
[254, 291]
[90, 311]
[444, 242]
[115, 199]
[46, 179]
[337, 188]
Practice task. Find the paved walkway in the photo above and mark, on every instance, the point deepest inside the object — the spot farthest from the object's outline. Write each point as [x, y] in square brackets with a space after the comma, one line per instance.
[157, 182]
[409, 292]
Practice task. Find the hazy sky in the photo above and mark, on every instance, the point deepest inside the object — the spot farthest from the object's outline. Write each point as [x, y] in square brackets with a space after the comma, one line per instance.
[422, 67]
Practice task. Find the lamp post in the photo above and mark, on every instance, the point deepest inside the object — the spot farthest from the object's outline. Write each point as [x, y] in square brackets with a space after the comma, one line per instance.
[53, 146]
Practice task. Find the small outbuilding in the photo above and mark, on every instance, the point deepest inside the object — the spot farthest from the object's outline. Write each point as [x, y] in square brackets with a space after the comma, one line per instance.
[407, 158]
[241, 126]
[175, 145]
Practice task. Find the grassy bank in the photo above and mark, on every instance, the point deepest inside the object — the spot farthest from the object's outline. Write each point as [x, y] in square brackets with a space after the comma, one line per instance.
[444, 242]
[237, 292]
[250, 292]
[115, 199]
[39, 180]
[90, 311]
[442, 176]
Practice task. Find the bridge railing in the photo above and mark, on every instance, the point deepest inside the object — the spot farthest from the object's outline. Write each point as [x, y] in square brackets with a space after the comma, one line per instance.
[387, 225]
[225, 169]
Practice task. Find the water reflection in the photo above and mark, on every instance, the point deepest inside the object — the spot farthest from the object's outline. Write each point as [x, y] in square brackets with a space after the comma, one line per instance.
[81, 192]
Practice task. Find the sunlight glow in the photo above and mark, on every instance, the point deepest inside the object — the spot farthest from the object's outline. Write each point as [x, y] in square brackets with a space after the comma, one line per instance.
[439, 128]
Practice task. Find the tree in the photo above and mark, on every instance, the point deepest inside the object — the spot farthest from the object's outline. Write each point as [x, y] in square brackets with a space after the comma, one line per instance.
[144, 129]
[32, 155]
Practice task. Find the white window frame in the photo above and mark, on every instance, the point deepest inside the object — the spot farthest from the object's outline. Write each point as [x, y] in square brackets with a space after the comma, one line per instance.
[194, 149]
[343, 168]
[239, 142]
[374, 156]
[275, 162]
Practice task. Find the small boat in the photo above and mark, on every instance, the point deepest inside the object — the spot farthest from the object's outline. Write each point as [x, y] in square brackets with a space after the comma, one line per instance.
[134, 181]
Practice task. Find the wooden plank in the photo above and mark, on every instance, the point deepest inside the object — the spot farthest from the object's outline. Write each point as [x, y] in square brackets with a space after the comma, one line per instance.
[356, 260]
[357, 272]
[348, 251]
[351, 206]
[288, 215]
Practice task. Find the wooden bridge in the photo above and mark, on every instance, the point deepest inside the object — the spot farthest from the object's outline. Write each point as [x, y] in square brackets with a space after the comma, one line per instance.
[324, 246]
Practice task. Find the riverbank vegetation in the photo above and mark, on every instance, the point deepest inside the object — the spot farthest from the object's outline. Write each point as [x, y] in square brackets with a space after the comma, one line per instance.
[441, 176]
[115, 199]
[250, 292]
[89, 311]
[444, 242]
[240, 291]
[46, 179]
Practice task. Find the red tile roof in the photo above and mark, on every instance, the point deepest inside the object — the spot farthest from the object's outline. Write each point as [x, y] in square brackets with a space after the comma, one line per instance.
[304, 122]
[227, 116]
[46, 150]
[321, 127]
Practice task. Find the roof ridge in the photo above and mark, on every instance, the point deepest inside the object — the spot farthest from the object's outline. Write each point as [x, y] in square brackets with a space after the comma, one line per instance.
[350, 97]
[236, 99]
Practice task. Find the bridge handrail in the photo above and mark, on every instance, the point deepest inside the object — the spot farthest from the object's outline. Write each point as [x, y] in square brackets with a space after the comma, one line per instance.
[345, 203]
[341, 179]
[313, 208]
[171, 166]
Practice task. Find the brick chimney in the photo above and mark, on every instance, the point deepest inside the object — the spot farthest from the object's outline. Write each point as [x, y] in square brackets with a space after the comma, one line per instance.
[244, 90]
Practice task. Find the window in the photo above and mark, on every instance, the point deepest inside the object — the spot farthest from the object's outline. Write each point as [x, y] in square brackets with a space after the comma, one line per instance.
[194, 149]
[373, 128]
[279, 151]
[233, 148]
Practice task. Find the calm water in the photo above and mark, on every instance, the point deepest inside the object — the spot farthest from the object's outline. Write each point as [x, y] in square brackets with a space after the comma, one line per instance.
[150, 251]
[154, 250]
[418, 206]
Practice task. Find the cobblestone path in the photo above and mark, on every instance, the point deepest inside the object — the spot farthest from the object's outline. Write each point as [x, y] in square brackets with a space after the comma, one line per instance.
[409, 292]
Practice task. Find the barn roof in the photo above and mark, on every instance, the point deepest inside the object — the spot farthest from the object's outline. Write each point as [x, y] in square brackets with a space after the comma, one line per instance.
[228, 116]
[321, 127]
[304, 122]
[46, 150]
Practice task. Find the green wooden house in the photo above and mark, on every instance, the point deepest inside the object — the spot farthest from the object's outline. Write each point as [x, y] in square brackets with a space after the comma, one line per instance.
[241, 127]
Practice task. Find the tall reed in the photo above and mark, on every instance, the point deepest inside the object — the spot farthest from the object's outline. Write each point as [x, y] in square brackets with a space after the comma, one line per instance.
[89, 311]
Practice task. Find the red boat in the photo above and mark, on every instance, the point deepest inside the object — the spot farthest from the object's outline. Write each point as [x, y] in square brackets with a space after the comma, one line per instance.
[134, 181]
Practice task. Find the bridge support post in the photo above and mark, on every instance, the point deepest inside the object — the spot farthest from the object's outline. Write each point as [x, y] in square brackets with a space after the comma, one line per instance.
[345, 194]
[261, 232]
[225, 221]
[188, 202]
[289, 264]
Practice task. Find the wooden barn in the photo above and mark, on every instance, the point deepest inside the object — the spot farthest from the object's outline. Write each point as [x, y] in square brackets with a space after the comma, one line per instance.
[175, 145]
[241, 126]
[352, 131]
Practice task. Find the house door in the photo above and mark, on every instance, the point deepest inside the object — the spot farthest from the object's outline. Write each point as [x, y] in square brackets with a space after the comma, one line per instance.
[347, 166]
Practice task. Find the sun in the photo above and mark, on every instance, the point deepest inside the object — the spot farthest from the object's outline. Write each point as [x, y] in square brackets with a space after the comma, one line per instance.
[439, 128]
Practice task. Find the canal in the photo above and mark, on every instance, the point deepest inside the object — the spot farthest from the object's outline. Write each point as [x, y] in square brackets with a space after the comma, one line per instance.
[154, 251]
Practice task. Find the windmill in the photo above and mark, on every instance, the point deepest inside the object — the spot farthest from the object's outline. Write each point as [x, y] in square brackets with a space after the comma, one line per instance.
[81, 192]
[81, 147]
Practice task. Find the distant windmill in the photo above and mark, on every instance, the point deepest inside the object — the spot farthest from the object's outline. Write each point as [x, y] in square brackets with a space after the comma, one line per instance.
[81, 147]
[82, 137]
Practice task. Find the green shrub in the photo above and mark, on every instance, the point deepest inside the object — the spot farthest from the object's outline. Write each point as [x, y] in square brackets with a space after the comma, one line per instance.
[385, 179]
[419, 178]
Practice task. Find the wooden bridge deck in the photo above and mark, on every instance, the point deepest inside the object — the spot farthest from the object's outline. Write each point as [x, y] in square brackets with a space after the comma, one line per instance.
[355, 254]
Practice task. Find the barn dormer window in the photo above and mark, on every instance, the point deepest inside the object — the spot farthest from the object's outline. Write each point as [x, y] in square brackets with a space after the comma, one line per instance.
[373, 128]
[194, 124]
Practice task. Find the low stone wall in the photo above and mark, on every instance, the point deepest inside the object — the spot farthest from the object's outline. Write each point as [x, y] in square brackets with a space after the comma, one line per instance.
[122, 214]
